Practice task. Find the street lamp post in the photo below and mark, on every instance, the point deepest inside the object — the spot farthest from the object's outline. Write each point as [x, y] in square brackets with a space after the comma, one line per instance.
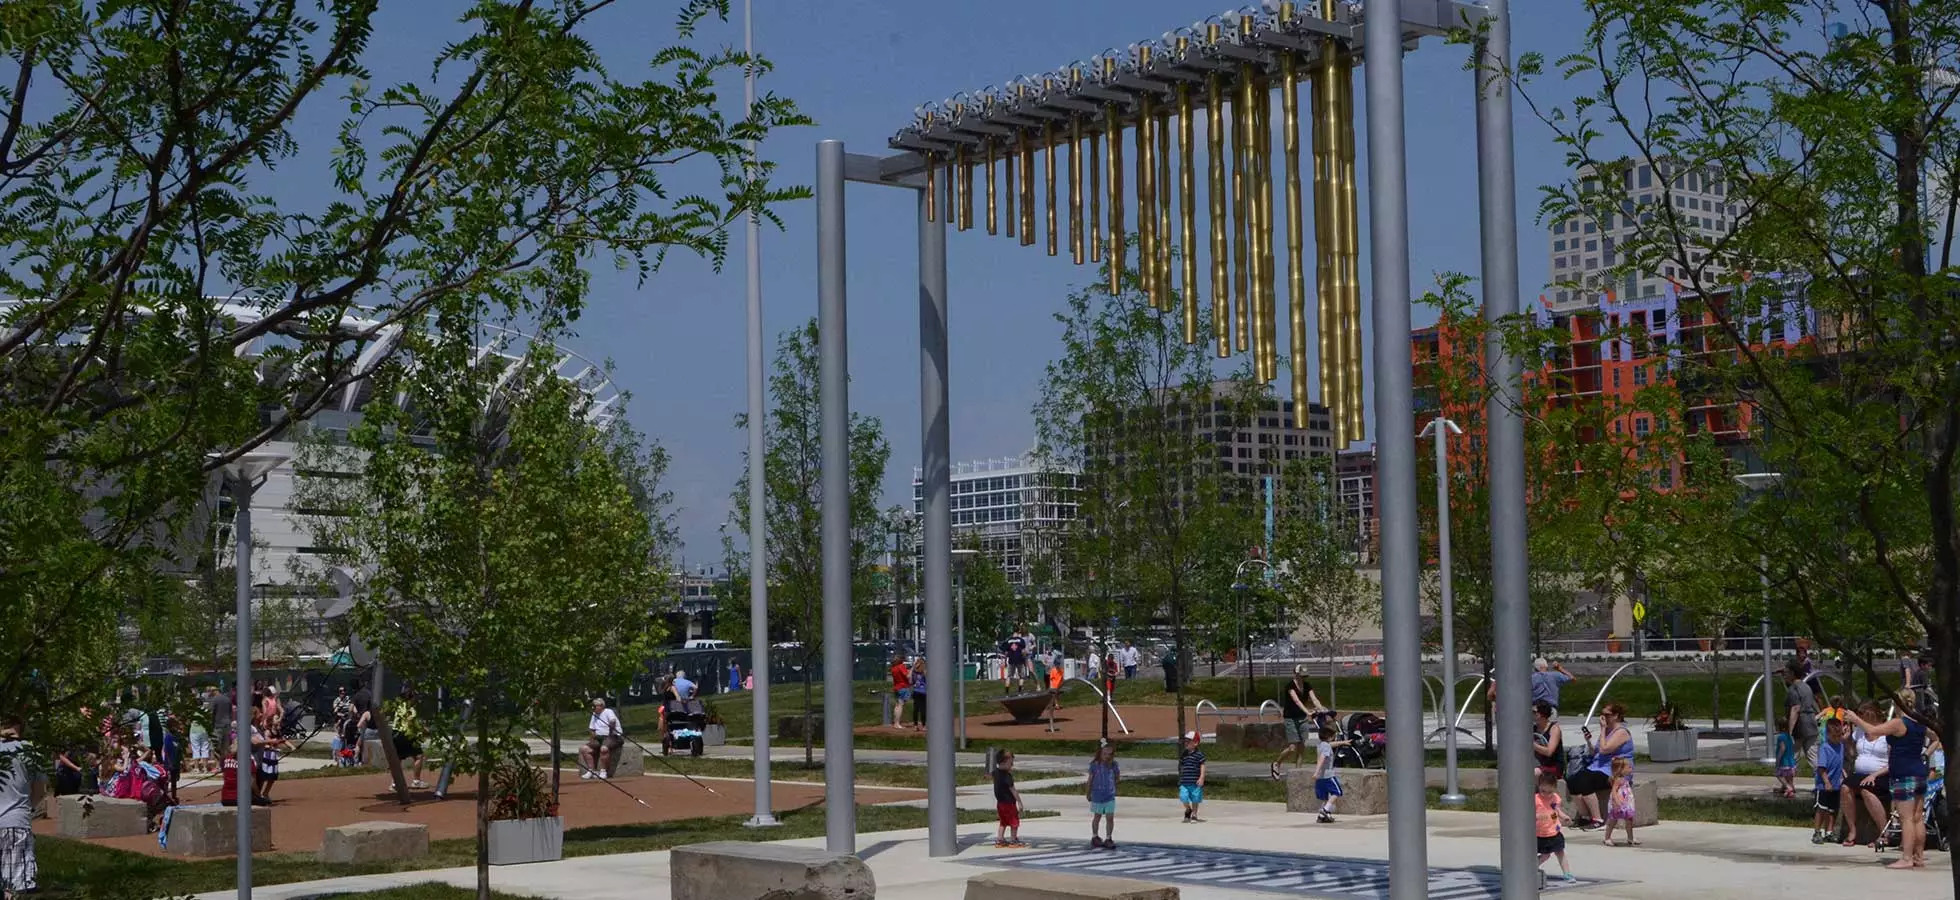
[1756, 483]
[245, 473]
[764, 815]
[1239, 588]
[1440, 429]
[960, 558]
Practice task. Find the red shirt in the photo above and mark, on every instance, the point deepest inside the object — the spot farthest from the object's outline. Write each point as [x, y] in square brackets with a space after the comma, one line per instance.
[901, 677]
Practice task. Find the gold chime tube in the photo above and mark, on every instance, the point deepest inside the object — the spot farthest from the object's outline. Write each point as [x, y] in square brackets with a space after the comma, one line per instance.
[1187, 190]
[1249, 129]
[1076, 248]
[1161, 188]
[1146, 201]
[1350, 220]
[1326, 252]
[1240, 307]
[1115, 163]
[993, 218]
[1296, 279]
[1095, 198]
[1007, 187]
[1048, 182]
[932, 188]
[964, 185]
[1027, 191]
[1268, 268]
[1221, 279]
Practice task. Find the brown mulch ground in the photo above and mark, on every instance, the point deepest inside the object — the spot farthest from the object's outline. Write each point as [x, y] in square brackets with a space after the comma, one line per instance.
[986, 720]
[303, 808]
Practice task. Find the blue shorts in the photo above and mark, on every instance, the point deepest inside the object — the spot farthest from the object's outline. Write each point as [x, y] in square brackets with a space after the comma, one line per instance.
[1906, 788]
[1324, 788]
[904, 695]
[1190, 793]
[1102, 807]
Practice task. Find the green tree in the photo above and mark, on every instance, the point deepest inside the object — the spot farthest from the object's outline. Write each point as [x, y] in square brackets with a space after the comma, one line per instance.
[512, 561]
[992, 607]
[170, 299]
[1316, 578]
[792, 479]
[1828, 134]
[1134, 409]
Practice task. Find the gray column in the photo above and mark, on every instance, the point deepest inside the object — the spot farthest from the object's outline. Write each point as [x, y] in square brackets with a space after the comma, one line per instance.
[1395, 451]
[833, 358]
[1497, 194]
[935, 476]
[758, 494]
[241, 704]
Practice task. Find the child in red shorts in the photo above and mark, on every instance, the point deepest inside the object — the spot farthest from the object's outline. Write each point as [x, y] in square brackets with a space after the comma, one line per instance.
[1007, 802]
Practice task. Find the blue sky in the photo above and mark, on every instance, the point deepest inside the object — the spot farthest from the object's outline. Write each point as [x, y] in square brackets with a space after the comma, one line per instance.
[859, 68]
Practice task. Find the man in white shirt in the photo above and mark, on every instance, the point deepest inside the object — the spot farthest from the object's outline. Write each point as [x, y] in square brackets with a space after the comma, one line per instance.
[601, 754]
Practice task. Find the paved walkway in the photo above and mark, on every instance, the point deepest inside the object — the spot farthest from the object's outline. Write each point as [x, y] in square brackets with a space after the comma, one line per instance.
[1250, 851]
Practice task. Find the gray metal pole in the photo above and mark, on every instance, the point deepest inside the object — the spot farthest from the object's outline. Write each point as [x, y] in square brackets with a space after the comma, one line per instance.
[765, 814]
[1496, 167]
[960, 579]
[1769, 678]
[242, 690]
[1395, 452]
[1451, 796]
[935, 487]
[833, 360]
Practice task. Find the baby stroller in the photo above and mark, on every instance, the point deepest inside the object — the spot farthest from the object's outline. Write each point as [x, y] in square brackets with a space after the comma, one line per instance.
[687, 723]
[1367, 737]
[1938, 834]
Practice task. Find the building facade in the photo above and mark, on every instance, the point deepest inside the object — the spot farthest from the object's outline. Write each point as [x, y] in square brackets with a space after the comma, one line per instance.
[1354, 488]
[1584, 251]
[1012, 509]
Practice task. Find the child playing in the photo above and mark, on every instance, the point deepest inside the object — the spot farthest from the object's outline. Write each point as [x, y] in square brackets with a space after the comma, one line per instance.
[1326, 781]
[1007, 802]
[1829, 781]
[1191, 777]
[1551, 815]
[1619, 803]
[1103, 773]
[1786, 760]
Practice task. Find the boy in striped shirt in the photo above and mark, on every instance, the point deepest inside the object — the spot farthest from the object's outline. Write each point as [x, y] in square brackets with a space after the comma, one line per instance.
[1191, 777]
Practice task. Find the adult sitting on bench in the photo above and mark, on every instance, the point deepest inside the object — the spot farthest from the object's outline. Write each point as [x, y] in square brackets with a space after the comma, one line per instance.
[601, 753]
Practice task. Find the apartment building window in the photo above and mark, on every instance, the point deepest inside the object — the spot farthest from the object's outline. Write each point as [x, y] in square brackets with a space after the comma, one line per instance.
[1558, 227]
[1591, 246]
[1589, 228]
[1245, 453]
[1646, 175]
[1558, 244]
[1639, 376]
[1666, 479]
[1616, 379]
[1660, 320]
[1640, 426]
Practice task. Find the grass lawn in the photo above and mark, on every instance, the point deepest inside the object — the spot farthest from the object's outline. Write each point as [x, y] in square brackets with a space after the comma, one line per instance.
[1730, 768]
[868, 774]
[76, 870]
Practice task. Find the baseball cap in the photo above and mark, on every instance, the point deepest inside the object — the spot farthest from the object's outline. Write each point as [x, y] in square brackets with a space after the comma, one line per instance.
[1190, 735]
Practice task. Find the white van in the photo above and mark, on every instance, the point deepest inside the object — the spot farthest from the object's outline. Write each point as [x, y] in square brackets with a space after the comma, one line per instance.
[705, 644]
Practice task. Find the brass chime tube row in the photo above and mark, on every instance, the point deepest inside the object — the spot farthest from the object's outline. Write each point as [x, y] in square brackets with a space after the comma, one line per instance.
[1027, 191]
[1255, 263]
[993, 216]
[1240, 307]
[1187, 190]
[1076, 249]
[1048, 183]
[932, 188]
[1161, 187]
[1262, 153]
[1296, 281]
[1116, 253]
[1351, 242]
[964, 184]
[1094, 228]
[1221, 279]
[1146, 202]
[1326, 280]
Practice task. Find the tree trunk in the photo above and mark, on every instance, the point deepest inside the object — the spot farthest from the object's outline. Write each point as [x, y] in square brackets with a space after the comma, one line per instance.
[556, 759]
[1715, 667]
[483, 798]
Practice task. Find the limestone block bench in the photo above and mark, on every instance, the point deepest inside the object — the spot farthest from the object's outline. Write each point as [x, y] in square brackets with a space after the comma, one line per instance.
[1035, 885]
[737, 870]
[100, 817]
[1364, 792]
[365, 842]
[213, 831]
[632, 761]
[1252, 735]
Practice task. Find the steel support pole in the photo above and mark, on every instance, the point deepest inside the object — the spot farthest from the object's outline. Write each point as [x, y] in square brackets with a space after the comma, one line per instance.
[833, 359]
[242, 707]
[1496, 167]
[1395, 452]
[935, 488]
[1447, 613]
[765, 814]
[1769, 678]
[960, 642]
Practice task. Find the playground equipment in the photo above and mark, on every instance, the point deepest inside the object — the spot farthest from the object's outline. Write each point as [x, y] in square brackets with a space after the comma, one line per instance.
[1444, 721]
[1749, 704]
[1590, 711]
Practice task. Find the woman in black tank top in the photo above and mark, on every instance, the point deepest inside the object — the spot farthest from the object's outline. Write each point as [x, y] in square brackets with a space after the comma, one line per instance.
[1548, 739]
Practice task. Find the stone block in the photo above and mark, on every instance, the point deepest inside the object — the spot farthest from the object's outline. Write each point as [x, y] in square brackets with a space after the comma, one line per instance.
[91, 816]
[1037, 885]
[366, 842]
[1364, 792]
[372, 756]
[632, 761]
[736, 870]
[213, 831]
[1252, 735]
[1646, 802]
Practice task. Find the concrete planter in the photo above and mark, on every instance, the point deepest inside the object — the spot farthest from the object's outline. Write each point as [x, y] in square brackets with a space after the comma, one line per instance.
[1673, 746]
[714, 735]
[518, 841]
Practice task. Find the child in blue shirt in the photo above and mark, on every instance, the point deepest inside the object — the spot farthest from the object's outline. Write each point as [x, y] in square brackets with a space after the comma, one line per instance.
[1830, 779]
[1103, 774]
[1786, 760]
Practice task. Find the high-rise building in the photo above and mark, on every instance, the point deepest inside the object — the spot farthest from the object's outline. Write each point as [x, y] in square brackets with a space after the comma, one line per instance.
[1012, 509]
[1584, 251]
[1354, 489]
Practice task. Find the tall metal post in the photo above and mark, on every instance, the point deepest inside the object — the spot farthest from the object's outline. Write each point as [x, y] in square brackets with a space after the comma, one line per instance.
[1447, 613]
[1496, 167]
[1395, 452]
[765, 814]
[833, 358]
[242, 707]
[1769, 678]
[935, 487]
[959, 580]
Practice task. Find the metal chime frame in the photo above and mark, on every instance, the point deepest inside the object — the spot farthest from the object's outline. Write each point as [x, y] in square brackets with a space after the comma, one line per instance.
[1089, 106]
